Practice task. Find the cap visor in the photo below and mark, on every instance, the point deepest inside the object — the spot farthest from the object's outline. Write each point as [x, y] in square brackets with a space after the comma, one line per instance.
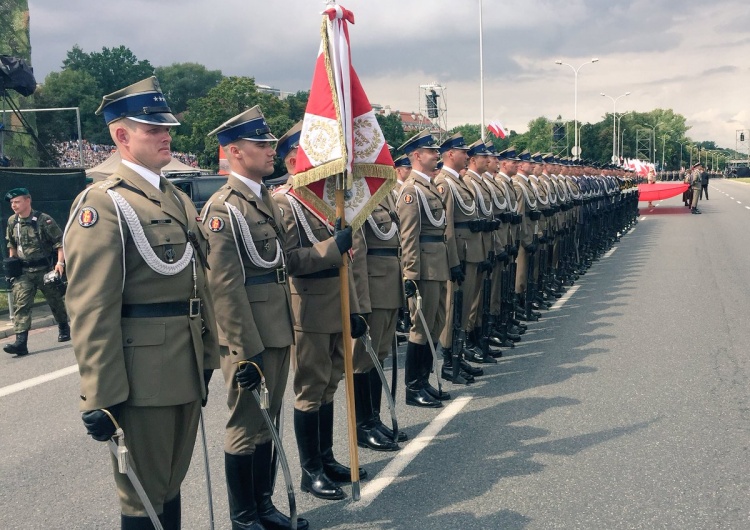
[159, 118]
[268, 137]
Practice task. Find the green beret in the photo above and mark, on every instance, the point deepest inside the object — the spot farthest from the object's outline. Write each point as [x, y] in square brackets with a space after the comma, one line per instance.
[16, 192]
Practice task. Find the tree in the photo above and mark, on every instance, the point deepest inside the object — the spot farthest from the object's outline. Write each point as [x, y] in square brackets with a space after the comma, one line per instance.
[70, 88]
[113, 68]
[393, 128]
[230, 97]
[470, 131]
[182, 82]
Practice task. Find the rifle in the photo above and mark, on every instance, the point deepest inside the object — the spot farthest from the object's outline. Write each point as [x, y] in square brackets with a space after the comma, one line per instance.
[488, 320]
[459, 335]
[530, 283]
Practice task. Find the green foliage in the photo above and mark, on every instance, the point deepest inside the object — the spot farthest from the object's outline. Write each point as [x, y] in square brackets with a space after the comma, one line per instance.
[112, 68]
[227, 99]
[64, 89]
[470, 131]
[182, 82]
[393, 129]
[14, 29]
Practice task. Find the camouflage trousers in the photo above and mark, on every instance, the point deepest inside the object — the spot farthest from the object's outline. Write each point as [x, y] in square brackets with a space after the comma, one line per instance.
[24, 291]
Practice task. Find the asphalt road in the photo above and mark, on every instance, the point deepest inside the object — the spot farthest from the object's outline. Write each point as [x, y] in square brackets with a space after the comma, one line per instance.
[626, 408]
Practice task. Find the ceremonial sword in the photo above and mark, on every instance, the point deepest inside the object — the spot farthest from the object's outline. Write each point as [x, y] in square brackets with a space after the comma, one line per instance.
[367, 341]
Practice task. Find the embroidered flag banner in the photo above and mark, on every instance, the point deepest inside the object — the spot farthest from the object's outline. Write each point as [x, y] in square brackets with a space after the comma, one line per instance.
[340, 134]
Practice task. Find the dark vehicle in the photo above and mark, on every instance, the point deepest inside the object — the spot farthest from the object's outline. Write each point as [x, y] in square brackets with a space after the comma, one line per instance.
[199, 188]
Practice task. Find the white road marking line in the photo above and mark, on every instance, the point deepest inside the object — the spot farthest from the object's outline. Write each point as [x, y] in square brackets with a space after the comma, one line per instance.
[731, 198]
[738, 202]
[34, 381]
[643, 218]
[564, 298]
[748, 207]
[394, 468]
[609, 252]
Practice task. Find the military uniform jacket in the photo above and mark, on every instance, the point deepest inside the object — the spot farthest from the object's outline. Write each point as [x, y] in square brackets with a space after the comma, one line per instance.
[460, 208]
[312, 251]
[155, 361]
[33, 238]
[377, 277]
[504, 182]
[246, 235]
[484, 205]
[424, 253]
[527, 202]
[499, 206]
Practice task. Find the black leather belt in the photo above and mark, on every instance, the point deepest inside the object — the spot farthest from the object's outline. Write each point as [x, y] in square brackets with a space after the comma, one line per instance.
[393, 251]
[432, 239]
[462, 224]
[327, 273]
[276, 276]
[164, 309]
[41, 262]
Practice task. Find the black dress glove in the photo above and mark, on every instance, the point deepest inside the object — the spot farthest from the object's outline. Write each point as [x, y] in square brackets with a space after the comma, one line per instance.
[475, 225]
[531, 248]
[98, 425]
[457, 274]
[206, 379]
[485, 266]
[513, 250]
[410, 288]
[358, 325]
[248, 376]
[343, 237]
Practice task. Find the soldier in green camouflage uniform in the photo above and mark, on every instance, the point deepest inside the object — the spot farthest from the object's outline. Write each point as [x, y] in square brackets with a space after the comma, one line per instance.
[33, 237]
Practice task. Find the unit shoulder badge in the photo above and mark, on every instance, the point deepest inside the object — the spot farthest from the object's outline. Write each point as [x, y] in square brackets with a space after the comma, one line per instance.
[216, 224]
[87, 217]
[408, 198]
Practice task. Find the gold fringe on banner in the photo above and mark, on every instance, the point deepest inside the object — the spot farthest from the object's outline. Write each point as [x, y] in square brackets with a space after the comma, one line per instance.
[319, 173]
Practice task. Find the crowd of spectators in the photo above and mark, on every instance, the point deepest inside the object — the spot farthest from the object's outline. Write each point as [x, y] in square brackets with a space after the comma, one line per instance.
[68, 155]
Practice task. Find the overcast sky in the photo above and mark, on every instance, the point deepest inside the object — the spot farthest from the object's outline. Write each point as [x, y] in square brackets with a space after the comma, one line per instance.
[691, 56]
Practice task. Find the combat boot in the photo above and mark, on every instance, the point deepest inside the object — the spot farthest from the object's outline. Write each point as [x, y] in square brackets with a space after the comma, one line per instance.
[446, 372]
[131, 522]
[243, 511]
[334, 470]
[18, 347]
[263, 472]
[63, 333]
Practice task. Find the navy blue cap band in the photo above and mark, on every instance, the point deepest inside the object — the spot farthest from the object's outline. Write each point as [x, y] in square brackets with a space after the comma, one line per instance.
[136, 105]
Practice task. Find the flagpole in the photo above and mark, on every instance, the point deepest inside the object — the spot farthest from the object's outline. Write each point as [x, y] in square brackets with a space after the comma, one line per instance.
[347, 339]
[481, 71]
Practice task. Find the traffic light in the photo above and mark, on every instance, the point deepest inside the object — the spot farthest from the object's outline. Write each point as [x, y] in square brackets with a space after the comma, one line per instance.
[432, 107]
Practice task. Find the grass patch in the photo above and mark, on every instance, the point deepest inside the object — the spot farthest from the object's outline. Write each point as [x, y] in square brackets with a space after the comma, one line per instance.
[743, 179]
[4, 299]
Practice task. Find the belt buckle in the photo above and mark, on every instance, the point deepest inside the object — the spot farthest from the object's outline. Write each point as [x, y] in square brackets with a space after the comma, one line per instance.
[281, 275]
[398, 253]
[194, 307]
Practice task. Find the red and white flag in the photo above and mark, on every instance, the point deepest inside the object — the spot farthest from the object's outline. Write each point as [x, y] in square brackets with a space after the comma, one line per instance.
[497, 128]
[340, 135]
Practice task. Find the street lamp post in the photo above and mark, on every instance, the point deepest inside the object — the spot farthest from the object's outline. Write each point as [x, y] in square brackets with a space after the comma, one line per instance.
[663, 142]
[576, 146]
[619, 147]
[681, 144]
[614, 123]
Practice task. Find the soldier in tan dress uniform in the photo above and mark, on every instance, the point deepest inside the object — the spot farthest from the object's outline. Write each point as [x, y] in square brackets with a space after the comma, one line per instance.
[253, 311]
[528, 208]
[464, 240]
[694, 178]
[427, 266]
[377, 278]
[314, 256]
[479, 159]
[143, 326]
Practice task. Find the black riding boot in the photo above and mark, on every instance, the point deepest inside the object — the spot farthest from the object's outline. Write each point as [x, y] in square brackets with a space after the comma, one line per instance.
[63, 332]
[18, 347]
[131, 522]
[314, 479]
[426, 361]
[243, 512]
[336, 471]
[416, 395]
[368, 434]
[171, 517]
[446, 372]
[376, 396]
[486, 359]
[263, 472]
